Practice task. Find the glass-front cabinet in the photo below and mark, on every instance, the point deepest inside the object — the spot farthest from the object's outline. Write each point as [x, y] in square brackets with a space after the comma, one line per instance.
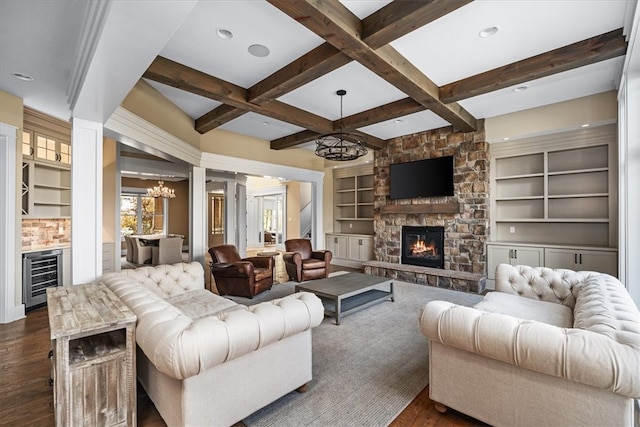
[46, 166]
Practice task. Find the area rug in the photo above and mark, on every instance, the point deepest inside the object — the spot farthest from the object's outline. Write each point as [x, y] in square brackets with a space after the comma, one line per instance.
[367, 369]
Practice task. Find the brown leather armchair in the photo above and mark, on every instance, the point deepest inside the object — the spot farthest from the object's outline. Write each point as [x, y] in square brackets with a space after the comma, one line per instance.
[243, 277]
[303, 263]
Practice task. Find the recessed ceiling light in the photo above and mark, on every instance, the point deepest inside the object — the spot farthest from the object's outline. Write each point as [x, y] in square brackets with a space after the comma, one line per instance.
[586, 125]
[23, 77]
[224, 34]
[258, 50]
[488, 32]
[506, 138]
[520, 89]
[397, 121]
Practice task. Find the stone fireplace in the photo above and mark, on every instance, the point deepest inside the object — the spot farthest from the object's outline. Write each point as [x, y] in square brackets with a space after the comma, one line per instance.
[463, 217]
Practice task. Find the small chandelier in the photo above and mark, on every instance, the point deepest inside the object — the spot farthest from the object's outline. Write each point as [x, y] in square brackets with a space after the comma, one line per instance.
[341, 146]
[161, 191]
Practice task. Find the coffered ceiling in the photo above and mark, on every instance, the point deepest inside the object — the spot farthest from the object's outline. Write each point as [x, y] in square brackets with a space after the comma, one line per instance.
[407, 66]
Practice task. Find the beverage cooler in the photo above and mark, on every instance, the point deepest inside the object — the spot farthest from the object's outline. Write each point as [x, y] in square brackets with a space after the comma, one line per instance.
[40, 270]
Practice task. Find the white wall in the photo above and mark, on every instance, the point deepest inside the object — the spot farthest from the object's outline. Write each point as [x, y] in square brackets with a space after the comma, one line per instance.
[629, 163]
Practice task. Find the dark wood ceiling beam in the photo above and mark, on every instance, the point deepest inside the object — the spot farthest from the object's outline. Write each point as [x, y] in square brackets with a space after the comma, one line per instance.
[316, 63]
[176, 75]
[382, 113]
[342, 29]
[596, 49]
[292, 140]
[217, 117]
[399, 18]
[379, 114]
[305, 136]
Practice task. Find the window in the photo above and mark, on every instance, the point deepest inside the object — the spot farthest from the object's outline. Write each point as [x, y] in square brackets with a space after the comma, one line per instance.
[140, 214]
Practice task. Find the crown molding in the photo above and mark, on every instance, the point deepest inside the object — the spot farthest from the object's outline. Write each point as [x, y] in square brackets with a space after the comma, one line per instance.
[93, 24]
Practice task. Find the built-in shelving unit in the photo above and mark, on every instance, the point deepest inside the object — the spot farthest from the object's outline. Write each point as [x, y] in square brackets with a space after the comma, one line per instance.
[555, 191]
[561, 193]
[46, 190]
[352, 240]
[353, 200]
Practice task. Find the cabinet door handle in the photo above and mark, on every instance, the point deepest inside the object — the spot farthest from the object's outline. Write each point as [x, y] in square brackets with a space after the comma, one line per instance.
[360, 242]
[510, 253]
[335, 240]
[580, 259]
[515, 253]
[31, 151]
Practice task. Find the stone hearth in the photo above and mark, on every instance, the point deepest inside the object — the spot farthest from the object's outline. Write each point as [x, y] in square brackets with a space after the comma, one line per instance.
[466, 224]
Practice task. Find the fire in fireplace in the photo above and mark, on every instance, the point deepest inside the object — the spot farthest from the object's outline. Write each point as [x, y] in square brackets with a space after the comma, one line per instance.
[423, 246]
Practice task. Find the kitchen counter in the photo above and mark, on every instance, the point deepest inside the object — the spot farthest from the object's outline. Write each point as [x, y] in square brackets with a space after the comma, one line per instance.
[38, 248]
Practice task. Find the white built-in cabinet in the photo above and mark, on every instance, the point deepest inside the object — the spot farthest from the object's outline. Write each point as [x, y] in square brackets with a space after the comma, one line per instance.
[350, 250]
[553, 201]
[605, 261]
[513, 255]
[338, 244]
[361, 248]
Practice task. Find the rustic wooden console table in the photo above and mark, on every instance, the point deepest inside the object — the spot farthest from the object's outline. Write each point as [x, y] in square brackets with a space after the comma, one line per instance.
[93, 357]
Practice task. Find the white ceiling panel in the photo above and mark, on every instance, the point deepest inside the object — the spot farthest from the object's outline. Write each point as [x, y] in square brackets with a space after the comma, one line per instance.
[584, 81]
[365, 90]
[450, 48]
[362, 9]
[259, 126]
[251, 22]
[39, 39]
[412, 123]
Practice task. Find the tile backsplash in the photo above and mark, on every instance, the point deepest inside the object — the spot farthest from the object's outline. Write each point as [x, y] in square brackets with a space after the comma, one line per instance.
[38, 232]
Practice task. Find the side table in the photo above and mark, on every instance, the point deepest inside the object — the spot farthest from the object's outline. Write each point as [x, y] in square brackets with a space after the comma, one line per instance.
[274, 255]
[93, 356]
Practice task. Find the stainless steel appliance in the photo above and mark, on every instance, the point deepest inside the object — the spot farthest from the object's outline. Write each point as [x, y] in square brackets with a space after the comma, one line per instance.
[40, 270]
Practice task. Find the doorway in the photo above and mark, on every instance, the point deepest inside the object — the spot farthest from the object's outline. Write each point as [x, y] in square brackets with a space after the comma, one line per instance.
[216, 219]
[266, 225]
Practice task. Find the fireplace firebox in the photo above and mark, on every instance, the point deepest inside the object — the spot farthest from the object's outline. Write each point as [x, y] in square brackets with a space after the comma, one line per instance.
[423, 246]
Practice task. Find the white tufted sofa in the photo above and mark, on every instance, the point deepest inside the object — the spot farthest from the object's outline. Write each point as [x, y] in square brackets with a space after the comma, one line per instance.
[205, 360]
[549, 348]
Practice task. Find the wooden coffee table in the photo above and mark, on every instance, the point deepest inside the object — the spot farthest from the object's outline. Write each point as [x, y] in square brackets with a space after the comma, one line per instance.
[349, 292]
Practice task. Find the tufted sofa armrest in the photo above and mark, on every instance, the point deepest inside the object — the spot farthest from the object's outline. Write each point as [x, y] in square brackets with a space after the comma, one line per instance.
[166, 280]
[541, 283]
[582, 356]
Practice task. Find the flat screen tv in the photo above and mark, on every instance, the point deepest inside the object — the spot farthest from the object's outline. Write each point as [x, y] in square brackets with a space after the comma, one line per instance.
[422, 178]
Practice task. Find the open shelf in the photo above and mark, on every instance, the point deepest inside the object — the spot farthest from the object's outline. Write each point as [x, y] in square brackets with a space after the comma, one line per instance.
[353, 199]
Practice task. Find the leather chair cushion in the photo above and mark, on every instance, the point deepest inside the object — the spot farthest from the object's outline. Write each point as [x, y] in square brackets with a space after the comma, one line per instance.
[312, 263]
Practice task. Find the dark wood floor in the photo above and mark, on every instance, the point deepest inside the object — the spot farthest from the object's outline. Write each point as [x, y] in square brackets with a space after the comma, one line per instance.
[26, 399]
